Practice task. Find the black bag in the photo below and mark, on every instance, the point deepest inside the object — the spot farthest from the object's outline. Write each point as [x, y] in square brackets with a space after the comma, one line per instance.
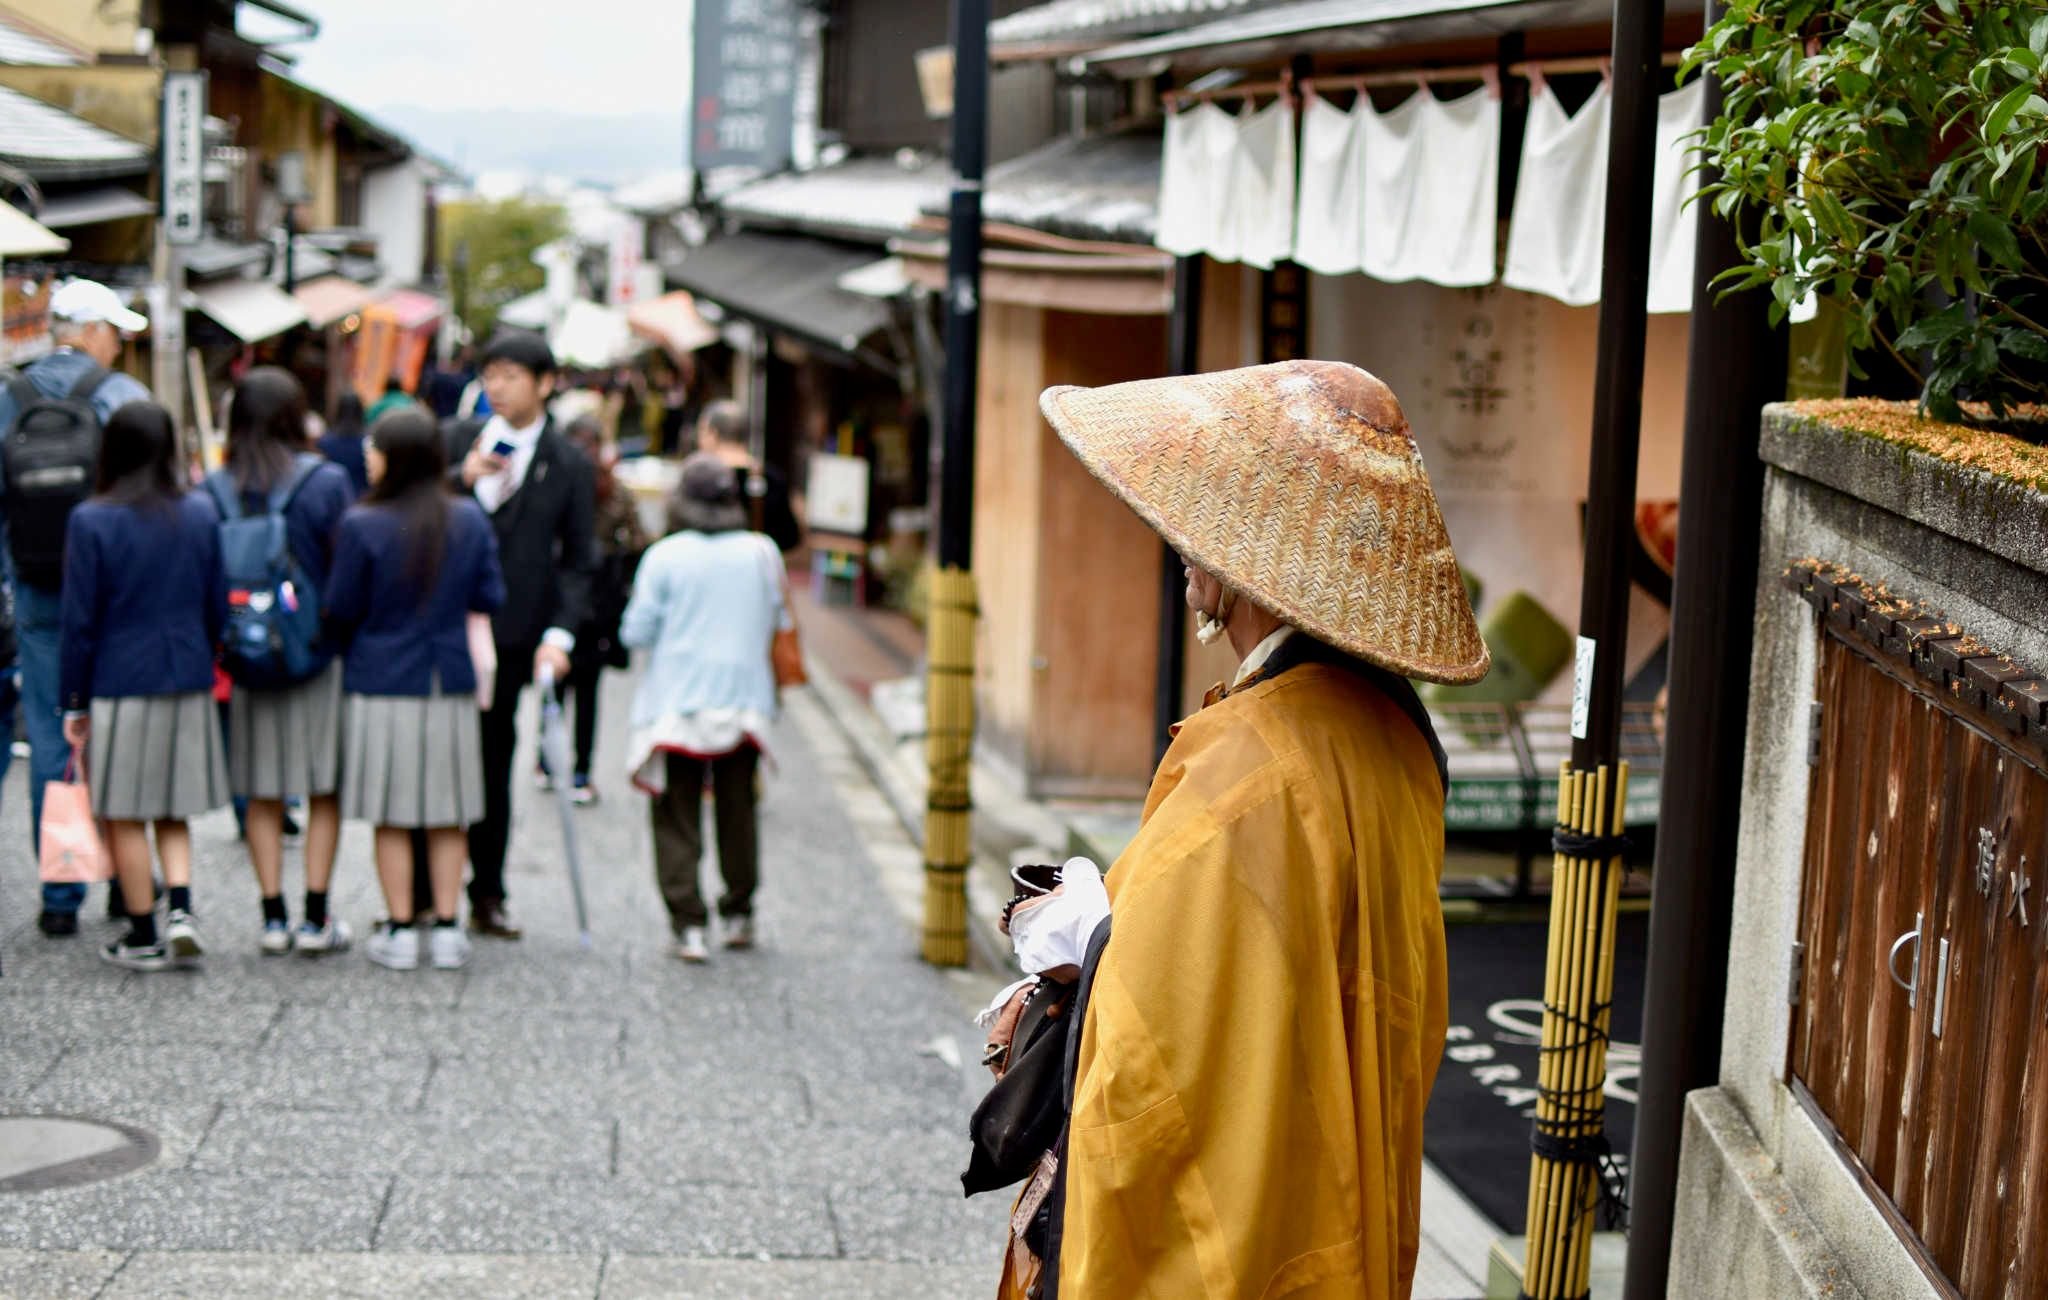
[1021, 1117]
[49, 457]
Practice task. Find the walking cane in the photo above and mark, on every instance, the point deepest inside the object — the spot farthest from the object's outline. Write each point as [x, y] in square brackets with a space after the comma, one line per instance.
[554, 751]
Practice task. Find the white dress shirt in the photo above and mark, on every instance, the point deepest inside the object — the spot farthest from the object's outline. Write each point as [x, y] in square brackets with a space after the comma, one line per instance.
[493, 490]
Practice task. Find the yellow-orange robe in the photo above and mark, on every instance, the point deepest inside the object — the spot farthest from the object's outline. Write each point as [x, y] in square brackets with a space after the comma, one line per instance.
[1270, 1010]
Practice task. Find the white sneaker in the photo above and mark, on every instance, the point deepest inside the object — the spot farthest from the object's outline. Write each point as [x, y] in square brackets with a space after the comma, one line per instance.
[397, 949]
[334, 936]
[449, 947]
[690, 946]
[181, 939]
[277, 938]
[739, 932]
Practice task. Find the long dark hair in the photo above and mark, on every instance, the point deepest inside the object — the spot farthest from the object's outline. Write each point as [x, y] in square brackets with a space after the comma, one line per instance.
[266, 428]
[139, 457]
[348, 416]
[415, 487]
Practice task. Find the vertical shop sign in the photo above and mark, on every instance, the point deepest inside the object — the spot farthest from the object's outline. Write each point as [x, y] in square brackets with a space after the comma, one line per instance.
[184, 157]
[745, 57]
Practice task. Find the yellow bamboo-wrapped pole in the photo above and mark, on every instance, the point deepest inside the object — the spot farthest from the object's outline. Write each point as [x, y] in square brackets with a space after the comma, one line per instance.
[949, 754]
[1564, 1180]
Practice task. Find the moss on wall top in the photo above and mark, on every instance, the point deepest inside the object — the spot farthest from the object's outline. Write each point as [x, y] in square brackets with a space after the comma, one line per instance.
[2002, 454]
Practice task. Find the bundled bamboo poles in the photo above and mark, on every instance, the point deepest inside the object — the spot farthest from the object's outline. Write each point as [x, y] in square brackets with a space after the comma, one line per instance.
[1578, 992]
[949, 751]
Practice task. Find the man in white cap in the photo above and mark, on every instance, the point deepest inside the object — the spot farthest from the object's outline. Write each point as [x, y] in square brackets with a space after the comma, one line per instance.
[1266, 1004]
[62, 401]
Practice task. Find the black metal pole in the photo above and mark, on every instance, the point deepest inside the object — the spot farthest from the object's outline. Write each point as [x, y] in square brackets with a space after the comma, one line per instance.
[1736, 364]
[1183, 357]
[963, 282]
[291, 239]
[1618, 384]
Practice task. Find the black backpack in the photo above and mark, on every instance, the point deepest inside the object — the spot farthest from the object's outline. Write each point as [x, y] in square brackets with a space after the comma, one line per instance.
[48, 458]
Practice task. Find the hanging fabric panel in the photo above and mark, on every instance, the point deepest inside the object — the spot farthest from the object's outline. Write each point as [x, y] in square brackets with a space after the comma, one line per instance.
[1560, 213]
[1557, 237]
[1430, 199]
[1194, 182]
[1326, 237]
[1262, 188]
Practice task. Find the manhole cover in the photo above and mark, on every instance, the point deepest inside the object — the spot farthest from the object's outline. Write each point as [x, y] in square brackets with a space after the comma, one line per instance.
[41, 1152]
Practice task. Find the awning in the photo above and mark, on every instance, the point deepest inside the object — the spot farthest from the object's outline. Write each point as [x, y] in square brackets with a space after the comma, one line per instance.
[529, 311]
[22, 236]
[1349, 26]
[673, 321]
[594, 336]
[210, 257]
[411, 308]
[1099, 188]
[788, 283]
[882, 279]
[860, 199]
[1064, 26]
[91, 207]
[331, 298]
[53, 145]
[251, 310]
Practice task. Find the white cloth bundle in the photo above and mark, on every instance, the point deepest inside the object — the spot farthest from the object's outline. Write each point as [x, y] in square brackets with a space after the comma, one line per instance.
[1055, 933]
[1429, 182]
[1326, 235]
[1556, 240]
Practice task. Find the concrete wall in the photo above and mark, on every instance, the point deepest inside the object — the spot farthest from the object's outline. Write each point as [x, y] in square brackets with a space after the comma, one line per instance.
[1755, 1167]
[395, 208]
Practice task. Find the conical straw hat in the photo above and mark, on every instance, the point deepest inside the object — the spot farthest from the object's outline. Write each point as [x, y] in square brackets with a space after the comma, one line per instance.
[1300, 487]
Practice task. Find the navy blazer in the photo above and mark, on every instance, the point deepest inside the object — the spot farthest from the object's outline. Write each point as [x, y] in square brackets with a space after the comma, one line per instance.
[143, 599]
[394, 643]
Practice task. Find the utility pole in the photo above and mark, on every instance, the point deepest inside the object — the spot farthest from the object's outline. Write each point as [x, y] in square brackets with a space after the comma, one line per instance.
[949, 688]
[1569, 1140]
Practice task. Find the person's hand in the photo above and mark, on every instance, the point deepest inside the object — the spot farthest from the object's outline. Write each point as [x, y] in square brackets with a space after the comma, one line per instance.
[549, 660]
[480, 463]
[77, 730]
[996, 1055]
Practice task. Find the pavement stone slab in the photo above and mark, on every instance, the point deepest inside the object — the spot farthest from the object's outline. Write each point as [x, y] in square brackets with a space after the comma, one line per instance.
[57, 1274]
[500, 1033]
[188, 1210]
[239, 1023]
[26, 1058]
[921, 1226]
[675, 1148]
[496, 1139]
[580, 1214]
[714, 1089]
[99, 1076]
[635, 1277]
[354, 1276]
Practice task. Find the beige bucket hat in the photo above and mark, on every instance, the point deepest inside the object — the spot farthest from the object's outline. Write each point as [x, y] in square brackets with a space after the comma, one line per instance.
[1300, 487]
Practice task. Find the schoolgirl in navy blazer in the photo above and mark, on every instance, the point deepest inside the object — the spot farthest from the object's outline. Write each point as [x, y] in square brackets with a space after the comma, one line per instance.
[143, 599]
[397, 645]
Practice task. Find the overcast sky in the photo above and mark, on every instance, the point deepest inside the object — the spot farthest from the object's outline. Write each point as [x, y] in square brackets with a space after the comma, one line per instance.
[570, 56]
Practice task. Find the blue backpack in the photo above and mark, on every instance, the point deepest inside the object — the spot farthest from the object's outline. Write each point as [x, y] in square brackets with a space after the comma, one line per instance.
[272, 637]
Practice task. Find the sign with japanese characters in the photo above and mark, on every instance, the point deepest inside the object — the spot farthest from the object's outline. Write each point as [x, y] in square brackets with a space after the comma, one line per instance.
[744, 87]
[184, 156]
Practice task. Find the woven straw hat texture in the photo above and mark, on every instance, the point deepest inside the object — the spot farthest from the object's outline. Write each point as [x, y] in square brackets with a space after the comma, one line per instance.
[1300, 486]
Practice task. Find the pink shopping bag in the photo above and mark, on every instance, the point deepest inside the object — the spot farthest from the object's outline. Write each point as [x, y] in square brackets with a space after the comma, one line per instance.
[71, 847]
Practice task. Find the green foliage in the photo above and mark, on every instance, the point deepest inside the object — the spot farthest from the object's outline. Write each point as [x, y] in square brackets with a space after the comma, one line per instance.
[1888, 153]
[501, 239]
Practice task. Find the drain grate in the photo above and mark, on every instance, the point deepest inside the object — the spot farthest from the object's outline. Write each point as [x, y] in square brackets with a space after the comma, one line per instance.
[40, 1153]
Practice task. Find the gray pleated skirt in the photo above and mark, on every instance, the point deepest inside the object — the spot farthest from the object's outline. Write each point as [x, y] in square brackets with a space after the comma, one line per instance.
[156, 756]
[412, 761]
[286, 744]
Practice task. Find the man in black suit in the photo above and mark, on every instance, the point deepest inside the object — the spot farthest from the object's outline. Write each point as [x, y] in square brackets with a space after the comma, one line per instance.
[538, 491]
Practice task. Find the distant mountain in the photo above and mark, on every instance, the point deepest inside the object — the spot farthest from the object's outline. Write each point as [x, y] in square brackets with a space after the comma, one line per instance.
[601, 149]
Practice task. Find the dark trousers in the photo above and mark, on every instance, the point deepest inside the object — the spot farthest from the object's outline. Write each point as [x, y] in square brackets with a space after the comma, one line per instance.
[583, 684]
[678, 818]
[488, 837]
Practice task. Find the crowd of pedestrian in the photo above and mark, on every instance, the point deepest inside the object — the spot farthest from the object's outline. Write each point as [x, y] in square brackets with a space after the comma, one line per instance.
[343, 622]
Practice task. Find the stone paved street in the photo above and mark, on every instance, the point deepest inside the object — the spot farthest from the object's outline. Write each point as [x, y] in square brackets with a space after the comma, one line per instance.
[549, 1122]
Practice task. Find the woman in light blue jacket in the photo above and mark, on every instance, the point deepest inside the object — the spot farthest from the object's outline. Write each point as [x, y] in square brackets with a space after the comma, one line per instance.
[707, 601]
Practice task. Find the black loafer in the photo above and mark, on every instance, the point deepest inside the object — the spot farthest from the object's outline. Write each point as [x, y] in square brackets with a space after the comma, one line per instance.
[58, 925]
[493, 922]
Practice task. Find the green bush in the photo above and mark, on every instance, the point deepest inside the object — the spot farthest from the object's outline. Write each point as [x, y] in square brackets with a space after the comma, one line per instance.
[1887, 154]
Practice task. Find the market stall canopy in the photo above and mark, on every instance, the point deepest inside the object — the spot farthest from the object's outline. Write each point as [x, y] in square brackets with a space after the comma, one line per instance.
[22, 236]
[673, 321]
[871, 199]
[1272, 32]
[53, 145]
[788, 283]
[529, 311]
[412, 309]
[594, 336]
[251, 310]
[331, 298]
[91, 207]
